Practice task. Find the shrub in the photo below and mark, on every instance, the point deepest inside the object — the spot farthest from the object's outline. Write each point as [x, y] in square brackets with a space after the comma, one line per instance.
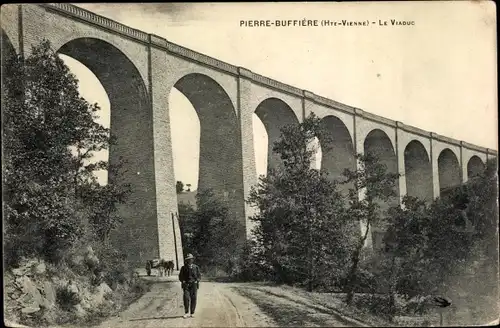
[66, 298]
[376, 304]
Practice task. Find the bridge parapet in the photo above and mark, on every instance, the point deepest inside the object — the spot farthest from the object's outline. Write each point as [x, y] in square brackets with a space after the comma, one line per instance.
[477, 148]
[158, 41]
[242, 71]
[141, 36]
[379, 119]
[93, 18]
[266, 81]
[328, 102]
[199, 57]
[444, 139]
[414, 130]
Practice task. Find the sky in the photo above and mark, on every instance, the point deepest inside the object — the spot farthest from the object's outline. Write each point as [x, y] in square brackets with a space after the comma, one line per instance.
[439, 74]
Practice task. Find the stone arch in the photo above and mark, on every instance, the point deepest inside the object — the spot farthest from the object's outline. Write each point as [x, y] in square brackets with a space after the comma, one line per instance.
[475, 166]
[220, 162]
[337, 148]
[131, 124]
[418, 171]
[449, 170]
[378, 143]
[274, 113]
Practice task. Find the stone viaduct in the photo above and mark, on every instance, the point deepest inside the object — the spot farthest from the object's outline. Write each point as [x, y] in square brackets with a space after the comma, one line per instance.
[138, 70]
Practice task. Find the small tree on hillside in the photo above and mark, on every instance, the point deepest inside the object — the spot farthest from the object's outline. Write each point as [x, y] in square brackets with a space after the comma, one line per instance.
[299, 230]
[405, 241]
[372, 178]
[187, 225]
[103, 202]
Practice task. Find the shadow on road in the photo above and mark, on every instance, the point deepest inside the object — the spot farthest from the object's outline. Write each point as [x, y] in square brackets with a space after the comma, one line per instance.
[157, 318]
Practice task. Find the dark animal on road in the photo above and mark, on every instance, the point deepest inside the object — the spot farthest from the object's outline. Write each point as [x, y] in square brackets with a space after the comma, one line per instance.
[163, 267]
[166, 267]
[170, 267]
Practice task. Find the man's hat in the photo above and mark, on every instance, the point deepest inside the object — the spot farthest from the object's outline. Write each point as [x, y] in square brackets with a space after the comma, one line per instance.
[189, 256]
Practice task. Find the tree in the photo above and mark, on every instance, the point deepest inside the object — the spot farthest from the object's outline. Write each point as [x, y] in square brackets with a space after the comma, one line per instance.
[103, 202]
[299, 230]
[405, 241]
[427, 246]
[371, 177]
[209, 232]
[179, 187]
[49, 132]
[187, 225]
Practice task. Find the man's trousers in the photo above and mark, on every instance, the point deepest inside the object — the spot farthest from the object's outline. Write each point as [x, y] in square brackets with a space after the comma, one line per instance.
[189, 297]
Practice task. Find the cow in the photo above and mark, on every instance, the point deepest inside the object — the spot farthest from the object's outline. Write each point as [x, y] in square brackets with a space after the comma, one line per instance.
[166, 267]
[170, 268]
[163, 267]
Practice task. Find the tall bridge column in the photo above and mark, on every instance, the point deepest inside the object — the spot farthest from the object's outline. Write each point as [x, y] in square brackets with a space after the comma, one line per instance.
[400, 153]
[435, 167]
[169, 236]
[245, 112]
[463, 164]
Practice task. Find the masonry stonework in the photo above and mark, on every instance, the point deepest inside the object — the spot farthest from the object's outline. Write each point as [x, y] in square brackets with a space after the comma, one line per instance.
[139, 70]
[168, 232]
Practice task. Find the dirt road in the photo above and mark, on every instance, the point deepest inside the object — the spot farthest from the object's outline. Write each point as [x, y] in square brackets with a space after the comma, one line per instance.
[220, 305]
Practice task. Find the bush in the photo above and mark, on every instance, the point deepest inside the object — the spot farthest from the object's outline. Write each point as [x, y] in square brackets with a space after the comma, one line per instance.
[66, 298]
[376, 304]
[113, 267]
[365, 282]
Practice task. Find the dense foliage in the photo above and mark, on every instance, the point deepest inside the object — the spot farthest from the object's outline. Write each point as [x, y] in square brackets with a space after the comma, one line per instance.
[300, 233]
[307, 233]
[431, 248]
[51, 196]
[210, 233]
[377, 185]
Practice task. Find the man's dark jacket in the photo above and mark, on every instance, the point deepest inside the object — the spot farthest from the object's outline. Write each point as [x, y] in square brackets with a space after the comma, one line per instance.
[188, 276]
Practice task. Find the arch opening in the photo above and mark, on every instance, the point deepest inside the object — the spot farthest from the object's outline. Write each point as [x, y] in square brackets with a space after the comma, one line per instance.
[274, 114]
[337, 151]
[185, 133]
[220, 153]
[318, 156]
[260, 145]
[418, 171]
[130, 122]
[91, 89]
[475, 167]
[449, 171]
[378, 143]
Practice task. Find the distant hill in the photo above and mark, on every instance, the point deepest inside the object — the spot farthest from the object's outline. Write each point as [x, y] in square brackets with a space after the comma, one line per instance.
[187, 197]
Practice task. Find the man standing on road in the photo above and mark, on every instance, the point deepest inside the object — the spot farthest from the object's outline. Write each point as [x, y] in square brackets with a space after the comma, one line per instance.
[190, 281]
